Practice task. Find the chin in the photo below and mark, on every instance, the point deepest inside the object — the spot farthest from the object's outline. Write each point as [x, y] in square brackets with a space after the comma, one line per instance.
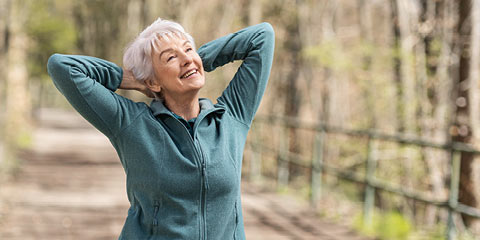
[199, 83]
[198, 87]
[195, 87]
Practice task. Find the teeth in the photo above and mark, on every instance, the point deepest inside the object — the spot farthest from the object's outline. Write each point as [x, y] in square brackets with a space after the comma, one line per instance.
[188, 74]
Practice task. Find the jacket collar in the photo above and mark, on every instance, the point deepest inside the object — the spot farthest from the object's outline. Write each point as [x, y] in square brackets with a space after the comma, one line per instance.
[206, 106]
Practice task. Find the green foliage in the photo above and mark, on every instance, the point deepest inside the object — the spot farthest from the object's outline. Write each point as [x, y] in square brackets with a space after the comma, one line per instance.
[329, 54]
[437, 233]
[435, 49]
[49, 32]
[467, 236]
[387, 226]
[24, 140]
[282, 190]
[9, 162]
[355, 58]
[394, 226]
[366, 229]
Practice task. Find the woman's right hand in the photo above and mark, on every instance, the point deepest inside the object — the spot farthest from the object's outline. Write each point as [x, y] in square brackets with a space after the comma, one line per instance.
[130, 83]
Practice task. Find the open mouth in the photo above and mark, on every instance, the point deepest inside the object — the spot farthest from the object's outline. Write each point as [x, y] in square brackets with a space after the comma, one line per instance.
[189, 73]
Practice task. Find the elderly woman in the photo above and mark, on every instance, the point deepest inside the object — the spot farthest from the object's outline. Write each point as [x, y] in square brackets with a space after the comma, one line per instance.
[182, 155]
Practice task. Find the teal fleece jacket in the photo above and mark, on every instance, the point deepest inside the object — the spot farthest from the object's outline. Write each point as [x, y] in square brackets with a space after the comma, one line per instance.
[180, 186]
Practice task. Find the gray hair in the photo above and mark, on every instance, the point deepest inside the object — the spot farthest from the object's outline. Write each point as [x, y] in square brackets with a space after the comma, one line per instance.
[138, 55]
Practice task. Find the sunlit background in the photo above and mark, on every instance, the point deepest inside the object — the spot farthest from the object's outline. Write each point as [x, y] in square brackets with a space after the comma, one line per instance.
[370, 122]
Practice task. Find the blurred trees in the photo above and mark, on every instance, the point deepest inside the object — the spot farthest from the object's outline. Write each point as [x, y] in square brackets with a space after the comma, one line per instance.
[399, 66]
[49, 30]
[16, 105]
[101, 27]
[30, 32]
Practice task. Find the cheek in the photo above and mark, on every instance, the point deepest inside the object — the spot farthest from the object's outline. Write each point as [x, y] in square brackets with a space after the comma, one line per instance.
[164, 76]
[199, 62]
[164, 71]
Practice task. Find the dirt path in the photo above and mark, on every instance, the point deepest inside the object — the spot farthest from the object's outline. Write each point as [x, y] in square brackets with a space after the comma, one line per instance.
[72, 186]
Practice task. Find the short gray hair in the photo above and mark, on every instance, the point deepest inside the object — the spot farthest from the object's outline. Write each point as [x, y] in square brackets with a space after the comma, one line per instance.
[138, 55]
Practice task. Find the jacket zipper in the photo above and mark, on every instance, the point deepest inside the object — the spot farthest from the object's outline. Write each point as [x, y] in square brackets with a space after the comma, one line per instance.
[204, 190]
[203, 194]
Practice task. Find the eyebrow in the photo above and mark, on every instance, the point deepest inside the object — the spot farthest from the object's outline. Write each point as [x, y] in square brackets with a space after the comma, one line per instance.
[171, 49]
[164, 51]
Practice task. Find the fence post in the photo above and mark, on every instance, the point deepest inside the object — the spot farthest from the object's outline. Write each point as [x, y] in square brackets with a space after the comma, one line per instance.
[317, 167]
[282, 161]
[369, 189]
[455, 158]
[256, 153]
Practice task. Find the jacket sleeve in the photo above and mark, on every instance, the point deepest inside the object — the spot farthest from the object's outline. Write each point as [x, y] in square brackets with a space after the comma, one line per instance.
[89, 84]
[254, 45]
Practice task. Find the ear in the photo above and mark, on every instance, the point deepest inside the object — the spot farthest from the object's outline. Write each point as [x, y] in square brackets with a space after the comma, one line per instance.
[153, 85]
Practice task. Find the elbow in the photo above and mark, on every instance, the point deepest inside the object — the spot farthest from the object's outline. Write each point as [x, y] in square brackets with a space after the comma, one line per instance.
[268, 30]
[268, 37]
[57, 66]
[54, 62]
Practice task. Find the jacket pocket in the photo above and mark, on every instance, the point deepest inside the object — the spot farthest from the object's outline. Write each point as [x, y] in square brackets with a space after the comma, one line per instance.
[235, 221]
[156, 209]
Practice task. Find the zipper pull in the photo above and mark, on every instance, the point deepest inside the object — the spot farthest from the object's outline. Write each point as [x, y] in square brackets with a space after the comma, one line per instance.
[156, 207]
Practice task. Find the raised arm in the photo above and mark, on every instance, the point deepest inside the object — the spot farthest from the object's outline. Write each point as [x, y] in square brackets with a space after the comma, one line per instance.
[254, 45]
[89, 84]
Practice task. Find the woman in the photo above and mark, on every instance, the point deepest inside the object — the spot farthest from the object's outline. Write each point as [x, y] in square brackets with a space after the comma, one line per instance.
[182, 155]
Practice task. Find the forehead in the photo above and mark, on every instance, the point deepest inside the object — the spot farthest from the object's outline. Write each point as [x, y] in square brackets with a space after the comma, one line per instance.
[168, 40]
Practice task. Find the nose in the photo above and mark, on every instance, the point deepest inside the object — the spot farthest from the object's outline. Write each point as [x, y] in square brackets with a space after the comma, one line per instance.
[186, 59]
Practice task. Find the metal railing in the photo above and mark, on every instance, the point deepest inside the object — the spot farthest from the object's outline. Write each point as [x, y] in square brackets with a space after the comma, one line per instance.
[318, 167]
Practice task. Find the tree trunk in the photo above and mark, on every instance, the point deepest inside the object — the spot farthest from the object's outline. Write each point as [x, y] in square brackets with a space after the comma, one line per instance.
[18, 108]
[254, 12]
[436, 99]
[4, 44]
[462, 130]
[397, 64]
[327, 107]
[366, 28]
[407, 16]
[475, 72]
[4, 40]
[293, 46]
[189, 14]
[474, 76]
[136, 22]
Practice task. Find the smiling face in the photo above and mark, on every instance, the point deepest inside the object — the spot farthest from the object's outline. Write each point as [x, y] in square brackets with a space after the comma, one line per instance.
[178, 68]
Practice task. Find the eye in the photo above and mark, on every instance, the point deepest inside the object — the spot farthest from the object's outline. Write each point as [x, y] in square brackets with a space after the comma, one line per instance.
[189, 49]
[170, 58]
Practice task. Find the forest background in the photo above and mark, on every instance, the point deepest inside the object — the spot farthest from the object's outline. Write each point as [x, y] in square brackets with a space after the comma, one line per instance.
[407, 67]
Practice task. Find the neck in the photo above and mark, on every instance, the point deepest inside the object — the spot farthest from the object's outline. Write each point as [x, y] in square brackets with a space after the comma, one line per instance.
[186, 107]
